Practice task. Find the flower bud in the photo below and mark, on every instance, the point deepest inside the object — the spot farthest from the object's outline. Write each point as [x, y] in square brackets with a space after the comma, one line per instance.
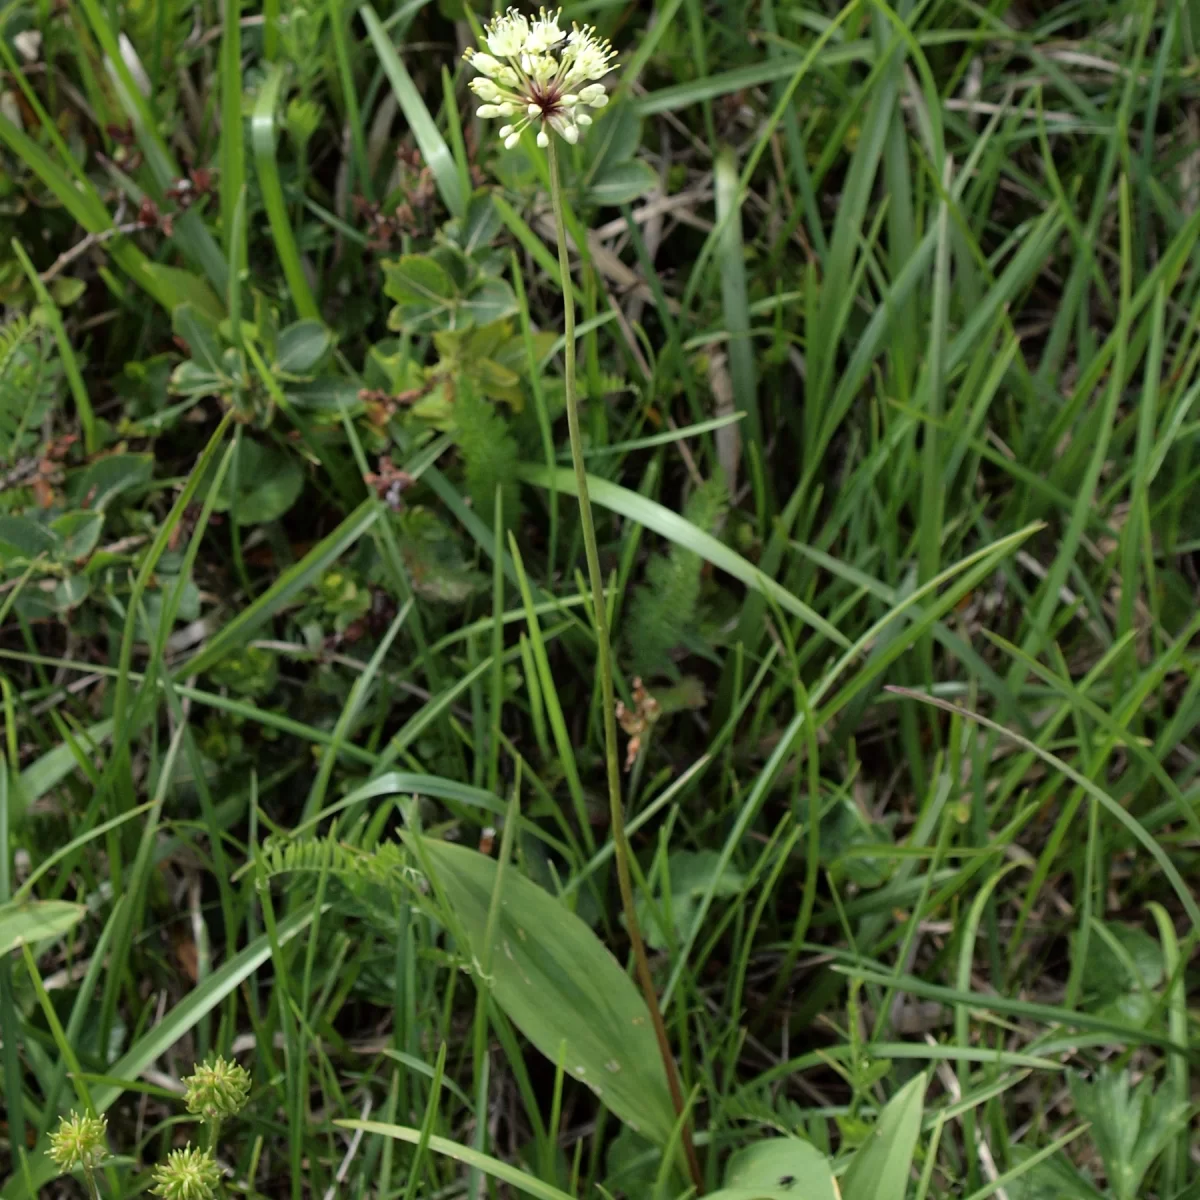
[485, 63]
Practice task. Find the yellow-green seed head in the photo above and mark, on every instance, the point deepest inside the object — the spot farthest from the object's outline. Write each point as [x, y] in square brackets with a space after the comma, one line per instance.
[217, 1090]
[79, 1141]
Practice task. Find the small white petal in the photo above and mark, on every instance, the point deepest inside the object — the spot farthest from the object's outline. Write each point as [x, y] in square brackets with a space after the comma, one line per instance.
[544, 33]
[599, 101]
[569, 100]
[511, 140]
[507, 34]
[533, 109]
[505, 130]
[571, 134]
[488, 110]
[507, 108]
[582, 119]
[543, 138]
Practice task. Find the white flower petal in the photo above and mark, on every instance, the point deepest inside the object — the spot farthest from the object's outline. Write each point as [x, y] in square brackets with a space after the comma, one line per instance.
[543, 138]
[511, 140]
[507, 34]
[544, 33]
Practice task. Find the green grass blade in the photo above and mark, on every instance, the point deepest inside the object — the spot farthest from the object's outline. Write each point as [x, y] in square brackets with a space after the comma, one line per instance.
[432, 145]
[262, 136]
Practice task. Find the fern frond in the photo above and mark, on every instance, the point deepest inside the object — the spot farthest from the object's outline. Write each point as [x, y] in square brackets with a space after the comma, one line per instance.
[489, 453]
[28, 380]
[286, 856]
[664, 608]
[387, 864]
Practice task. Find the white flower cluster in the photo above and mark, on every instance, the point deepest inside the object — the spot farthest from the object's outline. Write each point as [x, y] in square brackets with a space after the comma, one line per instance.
[538, 72]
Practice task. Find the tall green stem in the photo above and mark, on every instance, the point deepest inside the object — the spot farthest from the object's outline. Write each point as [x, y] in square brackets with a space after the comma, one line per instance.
[608, 697]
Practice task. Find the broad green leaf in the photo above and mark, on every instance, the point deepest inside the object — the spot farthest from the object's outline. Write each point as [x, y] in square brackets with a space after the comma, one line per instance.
[613, 140]
[186, 287]
[268, 483]
[22, 539]
[199, 330]
[65, 290]
[783, 1168]
[880, 1167]
[622, 183]
[98, 483]
[691, 875]
[480, 225]
[434, 558]
[1108, 983]
[79, 531]
[417, 280]
[326, 397]
[490, 301]
[560, 986]
[1131, 1126]
[69, 593]
[191, 379]
[34, 920]
[1053, 1179]
[48, 771]
[301, 346]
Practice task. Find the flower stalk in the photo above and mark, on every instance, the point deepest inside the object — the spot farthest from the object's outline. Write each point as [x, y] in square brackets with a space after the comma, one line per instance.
[537, 75]
[604, 656]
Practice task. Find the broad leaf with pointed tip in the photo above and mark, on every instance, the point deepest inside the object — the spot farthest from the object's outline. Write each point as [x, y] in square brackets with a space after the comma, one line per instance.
[781, 1168]
[880, 1167]
[560, 986]
[36, 920]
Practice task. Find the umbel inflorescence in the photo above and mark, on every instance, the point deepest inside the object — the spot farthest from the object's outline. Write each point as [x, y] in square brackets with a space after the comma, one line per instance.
[540, 73]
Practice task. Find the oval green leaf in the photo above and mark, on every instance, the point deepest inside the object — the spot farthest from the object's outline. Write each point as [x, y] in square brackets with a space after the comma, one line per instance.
[301, 346]
[779, 1168]
[34, 921]
[560, 986]
[622, 183]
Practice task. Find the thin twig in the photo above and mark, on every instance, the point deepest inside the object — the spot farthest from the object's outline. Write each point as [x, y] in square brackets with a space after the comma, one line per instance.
[67, 257]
